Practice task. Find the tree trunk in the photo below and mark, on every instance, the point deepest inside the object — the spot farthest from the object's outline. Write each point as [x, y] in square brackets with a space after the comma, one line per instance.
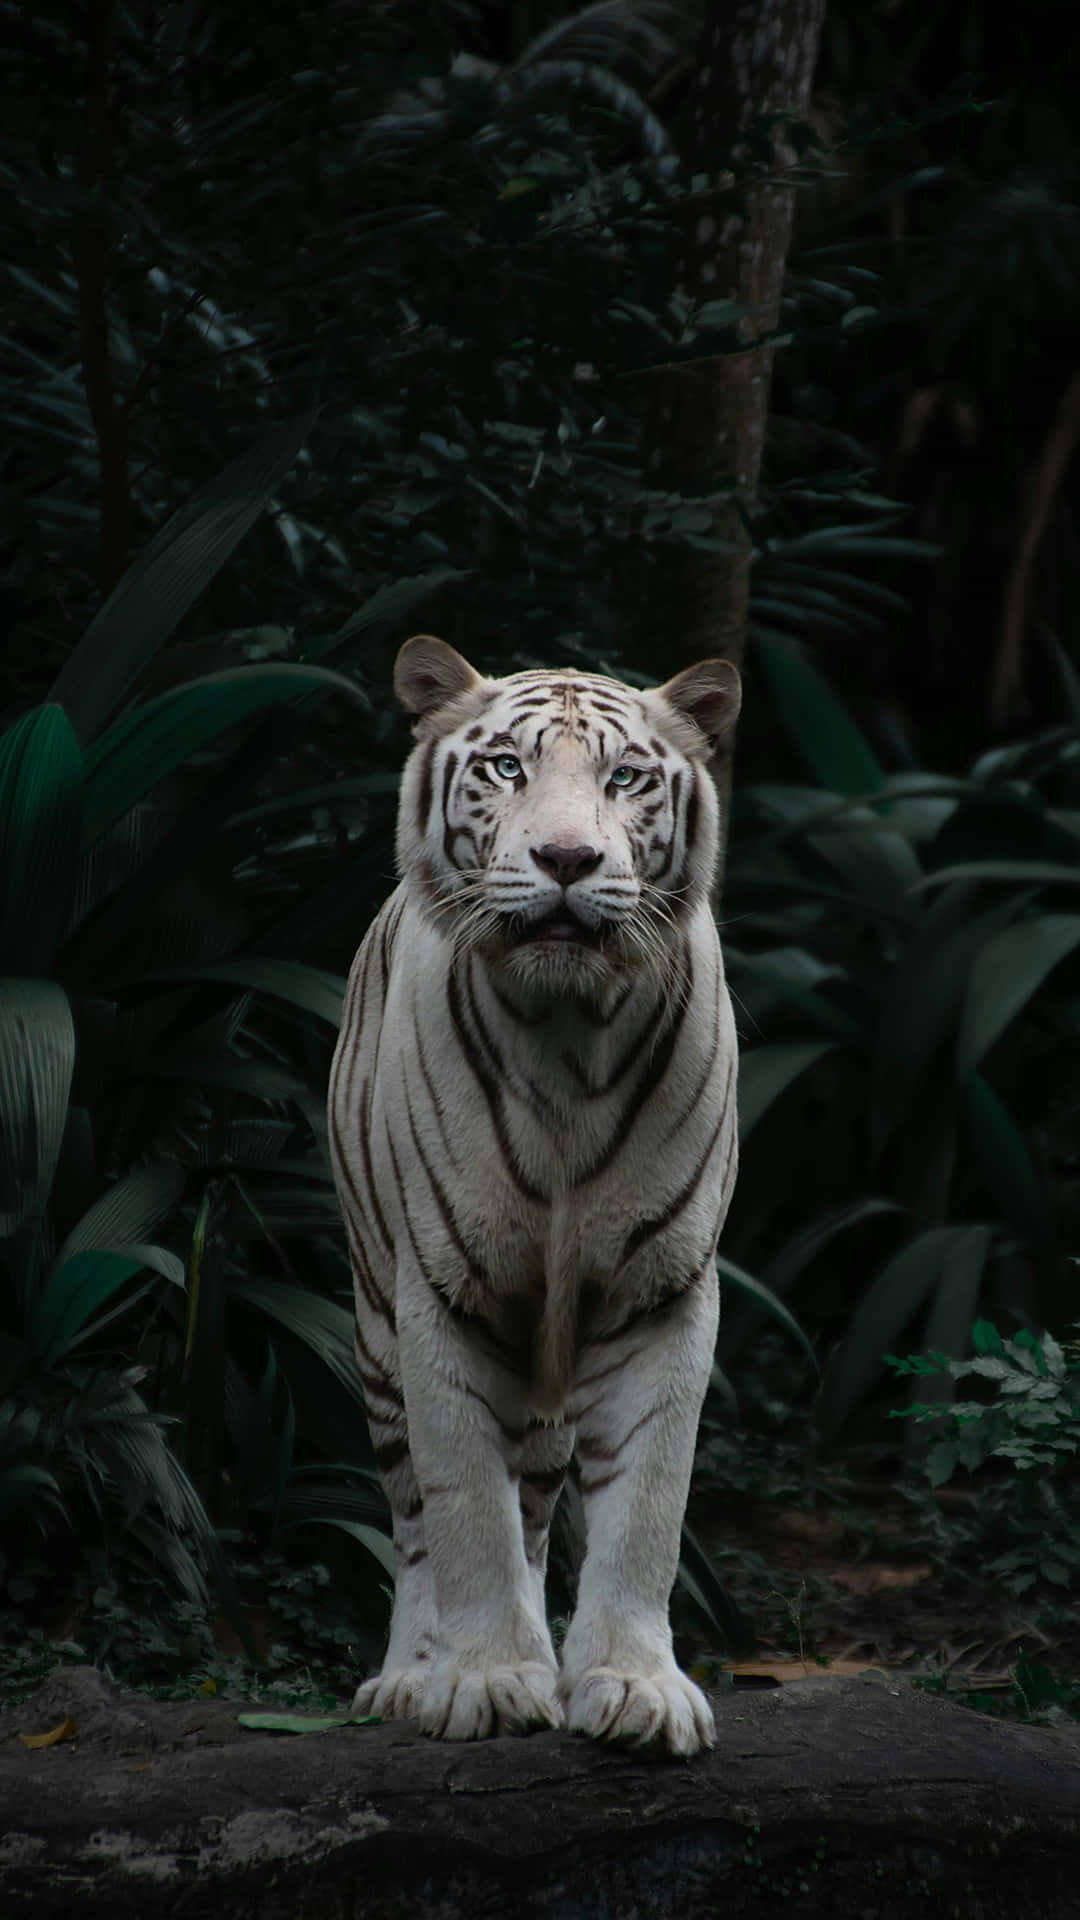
[706, 421]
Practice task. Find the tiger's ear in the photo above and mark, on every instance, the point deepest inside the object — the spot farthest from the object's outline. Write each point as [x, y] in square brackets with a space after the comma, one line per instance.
[428, 674]
[709, 694]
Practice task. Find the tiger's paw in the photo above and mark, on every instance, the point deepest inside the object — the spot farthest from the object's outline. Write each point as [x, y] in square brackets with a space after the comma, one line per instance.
[664, 1708]
[471, 1703]
[394, 1694]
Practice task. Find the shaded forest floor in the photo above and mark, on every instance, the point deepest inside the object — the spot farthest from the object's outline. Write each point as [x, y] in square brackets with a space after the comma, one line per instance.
[837, 1560]
[845, 1583]
[842, 1586]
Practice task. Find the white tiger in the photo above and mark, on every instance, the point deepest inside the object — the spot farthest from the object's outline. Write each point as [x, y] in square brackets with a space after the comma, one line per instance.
[532, 1123]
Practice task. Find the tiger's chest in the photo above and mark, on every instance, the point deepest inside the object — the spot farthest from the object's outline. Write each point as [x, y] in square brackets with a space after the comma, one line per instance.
[518, 1154]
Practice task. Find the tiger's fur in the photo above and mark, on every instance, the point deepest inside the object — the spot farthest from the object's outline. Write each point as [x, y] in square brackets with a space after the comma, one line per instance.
[532, 1125]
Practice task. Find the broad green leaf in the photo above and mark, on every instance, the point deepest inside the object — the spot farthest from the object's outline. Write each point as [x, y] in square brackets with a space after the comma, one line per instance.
[953, 1309]
[869, 854]
[37, 1059]
[1034, 873]
[141, 748]
[923, 997]
[246, 1076]
[1007, 973]
[819, 724]
[24, 1482]
[768, 1300]
[375, 1542]
[796, 1254]
[69, 1299]
[738, 1327]
[129, 1210]
[168, 577]
[985, 1337]
[41, 777]
[767, 1072]
[324, 1326]
[790, 974]
[893, 1297]
[313, 988]
[155, 1259]
[364, 786]
[303, 1722]
[388, 606]
[1007, 1167]
[849, 584]
[701, 1581]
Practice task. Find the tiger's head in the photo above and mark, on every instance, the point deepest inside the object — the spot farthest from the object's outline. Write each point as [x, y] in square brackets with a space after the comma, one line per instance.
[560, 823]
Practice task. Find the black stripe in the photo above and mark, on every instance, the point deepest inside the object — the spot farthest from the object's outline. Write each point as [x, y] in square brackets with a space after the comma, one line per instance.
[369, 1172]
[595, 1452]
[514, 1434]
[433, 1096]
[693, 807]
[691, 1101]
[473, 1271]
[364, 1277]
[596, 1019]
[648, 1229]
[547, 1482]
[449, 770]
[413, 1241]
[365, 1359]
[377, 1387]
[389, 1454]
[600, 1481]
[526, 1089]
[423, 803]
[676, 796]
[390, 926]
[650, 1081]
[490, 1087]
[347, 1062]
[515, 1013]
[625, 1061]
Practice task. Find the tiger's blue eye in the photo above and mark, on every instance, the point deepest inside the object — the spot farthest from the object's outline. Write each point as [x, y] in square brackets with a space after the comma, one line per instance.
[623, 777]
[507, 766]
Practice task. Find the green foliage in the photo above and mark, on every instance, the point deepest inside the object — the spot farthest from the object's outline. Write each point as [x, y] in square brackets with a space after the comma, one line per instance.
[1032, 1421]
[1035, 1420]
[901, 990]
[149, 1639]
[101, 1090]
[1034, 1693]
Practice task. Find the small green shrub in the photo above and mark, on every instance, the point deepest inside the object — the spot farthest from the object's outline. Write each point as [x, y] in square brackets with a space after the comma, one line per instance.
[1033, 1421]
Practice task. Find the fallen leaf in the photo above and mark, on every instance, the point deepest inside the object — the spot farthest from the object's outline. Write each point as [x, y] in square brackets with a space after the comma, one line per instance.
[65, 1731]
[208, 1686]
[784, 1671]
[302, 1722]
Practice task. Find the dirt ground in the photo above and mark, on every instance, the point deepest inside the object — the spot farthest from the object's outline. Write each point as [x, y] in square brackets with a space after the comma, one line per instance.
[850, 1587]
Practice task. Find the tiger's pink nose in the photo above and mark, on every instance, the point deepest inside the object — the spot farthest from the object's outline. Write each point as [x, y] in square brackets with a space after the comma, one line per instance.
[566, 864]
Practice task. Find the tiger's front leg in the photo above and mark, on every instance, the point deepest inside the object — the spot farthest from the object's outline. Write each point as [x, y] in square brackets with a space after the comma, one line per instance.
[636, 1403]
[494, 1667]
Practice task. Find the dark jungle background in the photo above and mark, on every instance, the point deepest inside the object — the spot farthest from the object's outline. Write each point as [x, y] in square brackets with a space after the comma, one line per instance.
[616, 337]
